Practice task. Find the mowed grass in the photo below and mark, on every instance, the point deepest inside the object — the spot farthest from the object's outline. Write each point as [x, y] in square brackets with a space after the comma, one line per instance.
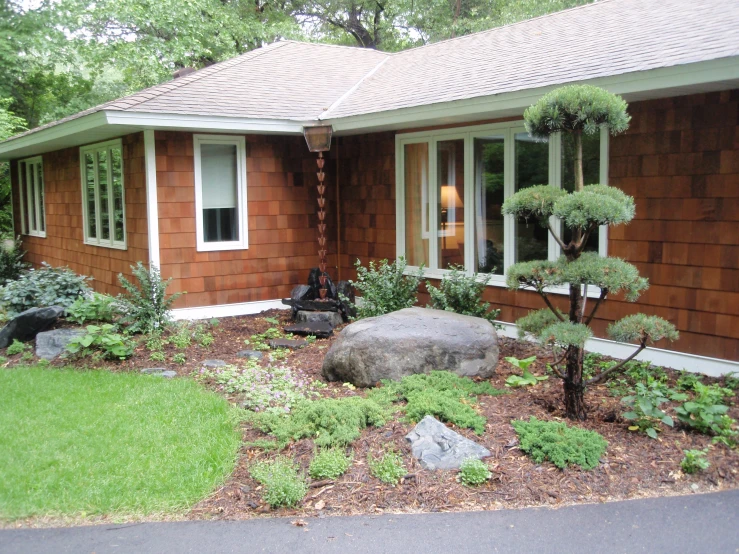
[94, 442]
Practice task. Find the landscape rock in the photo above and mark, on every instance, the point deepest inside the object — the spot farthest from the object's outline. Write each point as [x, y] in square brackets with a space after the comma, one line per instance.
[438, 447]
[319, 329]
[410, 341]
[50, 344]
[214, 363]
[287, 343]
[333, 318]
[153, 370]
[26, 325]
[256, 354]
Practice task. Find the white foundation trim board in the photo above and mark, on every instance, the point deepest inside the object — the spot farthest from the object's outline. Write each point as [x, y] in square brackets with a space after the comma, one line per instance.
[228, 310]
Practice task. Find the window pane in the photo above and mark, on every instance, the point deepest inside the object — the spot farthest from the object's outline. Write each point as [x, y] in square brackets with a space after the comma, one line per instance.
[22, 196]
[103, 194]
[489, 166]
[450, 207]
[220, 192]
[116, 171]
[416, 204]
[30, 203]
[90, 194]
[40, 194]
[532, 168]
[590, 172]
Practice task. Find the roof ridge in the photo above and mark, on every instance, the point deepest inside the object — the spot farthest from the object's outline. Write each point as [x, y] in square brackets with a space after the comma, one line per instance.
[195, 76]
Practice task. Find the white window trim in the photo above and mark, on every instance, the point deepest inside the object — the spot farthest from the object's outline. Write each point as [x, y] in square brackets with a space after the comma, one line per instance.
[240, 143]
[111, 242]
[23, 182]
[508, 130]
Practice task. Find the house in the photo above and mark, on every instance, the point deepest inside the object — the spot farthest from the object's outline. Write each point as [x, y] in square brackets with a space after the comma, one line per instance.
[208, 176]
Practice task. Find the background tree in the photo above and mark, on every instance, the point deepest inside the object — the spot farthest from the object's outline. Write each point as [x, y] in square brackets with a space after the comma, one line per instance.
[9, 125]
[578, 110]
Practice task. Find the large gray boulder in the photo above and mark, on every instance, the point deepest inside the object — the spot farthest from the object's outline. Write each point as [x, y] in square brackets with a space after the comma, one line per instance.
[51, 344]
[438, 447]
[26, 325]
[409, 341]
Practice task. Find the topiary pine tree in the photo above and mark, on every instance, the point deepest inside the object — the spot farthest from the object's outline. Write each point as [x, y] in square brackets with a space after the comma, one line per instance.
[579, 109]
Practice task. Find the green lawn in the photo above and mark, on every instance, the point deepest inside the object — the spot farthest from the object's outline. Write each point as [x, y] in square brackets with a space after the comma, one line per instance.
[94, 442]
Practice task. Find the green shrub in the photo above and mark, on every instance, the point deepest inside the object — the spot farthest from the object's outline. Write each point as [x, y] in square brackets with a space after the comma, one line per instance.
[473, 472]
[329, 463]
[384, 288]
[93, 307]
[103, 339]
[560, 444]
[47, 286]
[145, 306]
[17, 347]
[695, 461]
[283, 485]
[11, 260]
[329, 421]
[462, 294]
[388, 469]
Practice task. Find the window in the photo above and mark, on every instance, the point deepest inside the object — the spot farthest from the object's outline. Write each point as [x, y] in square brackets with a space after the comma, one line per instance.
[103, 194]
[31, 187]
[220, 192]
[467, 174]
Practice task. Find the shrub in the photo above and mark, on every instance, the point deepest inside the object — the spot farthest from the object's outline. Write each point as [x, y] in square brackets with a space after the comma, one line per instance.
[473, 472]
[93, 307]
[329, 464]
[11, 260]
[384, 288]
[695, 461]
[560, 444]
[283, 485]
[47, 286]
[388, 469]
[103, 339]
[462, 294]
[17, 347]
[145, 307]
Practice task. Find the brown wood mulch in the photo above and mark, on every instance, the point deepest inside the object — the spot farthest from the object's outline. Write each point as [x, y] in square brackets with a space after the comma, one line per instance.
[634, 465]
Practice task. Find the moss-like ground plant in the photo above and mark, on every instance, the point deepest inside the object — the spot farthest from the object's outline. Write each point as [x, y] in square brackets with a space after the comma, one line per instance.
[329, 463]
[559, 443]
[473, 472]
[283, 484]
[388, 469]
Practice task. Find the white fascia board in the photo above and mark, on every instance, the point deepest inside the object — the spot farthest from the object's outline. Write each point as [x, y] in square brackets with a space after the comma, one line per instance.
[725, 70]
[166, 121]
[227, 310]
[714, 367]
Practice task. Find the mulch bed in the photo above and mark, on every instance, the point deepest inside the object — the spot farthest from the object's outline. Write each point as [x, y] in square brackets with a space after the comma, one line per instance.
[634, 465]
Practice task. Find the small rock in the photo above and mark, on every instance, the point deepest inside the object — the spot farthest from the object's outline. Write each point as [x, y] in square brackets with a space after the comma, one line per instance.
[287, 343]
[333, 318]
[51, 344]
[214, 363]
[167, 374]
[320, 329]
[438, 447]
[153, 370]
[26, 325]
[256, 354]
[695, 487]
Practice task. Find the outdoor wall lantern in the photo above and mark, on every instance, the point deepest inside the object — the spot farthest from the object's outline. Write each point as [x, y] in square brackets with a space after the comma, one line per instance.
[318, 138]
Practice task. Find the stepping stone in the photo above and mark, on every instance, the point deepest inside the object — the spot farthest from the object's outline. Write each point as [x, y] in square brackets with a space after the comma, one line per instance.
[293, 344]
[153, 370]
[321, 329]
[166, 374]
[51, 344]
[214, 363]
[256, 354]
[333, 318]
[438, 447]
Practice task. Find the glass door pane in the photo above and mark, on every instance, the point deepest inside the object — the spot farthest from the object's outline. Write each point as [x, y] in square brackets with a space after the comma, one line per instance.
[416, 165]
[90, 196]
[532, 168]
[590, 171]
[103, 194]
[116, 165]
[489, 196]
[450, 202]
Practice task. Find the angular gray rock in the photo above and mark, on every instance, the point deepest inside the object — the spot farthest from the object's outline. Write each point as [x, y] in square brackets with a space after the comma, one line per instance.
[256, 354]
[50, 344]
[319, 329]
[293, 344]
[214, 363]
[438, 447]
[26, 325]
[304, 316]
[409, 341]
[159, 372]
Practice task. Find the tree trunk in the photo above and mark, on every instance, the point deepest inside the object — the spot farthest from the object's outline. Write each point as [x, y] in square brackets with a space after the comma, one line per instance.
[573, 386]
[579, 179]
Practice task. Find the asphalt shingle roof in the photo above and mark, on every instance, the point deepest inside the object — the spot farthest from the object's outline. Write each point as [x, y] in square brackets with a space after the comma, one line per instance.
[299, 81]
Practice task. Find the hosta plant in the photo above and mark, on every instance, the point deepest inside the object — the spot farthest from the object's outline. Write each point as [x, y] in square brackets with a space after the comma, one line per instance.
[644, 407]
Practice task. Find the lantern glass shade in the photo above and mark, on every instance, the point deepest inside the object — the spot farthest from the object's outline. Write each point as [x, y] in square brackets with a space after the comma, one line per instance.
[318, 137]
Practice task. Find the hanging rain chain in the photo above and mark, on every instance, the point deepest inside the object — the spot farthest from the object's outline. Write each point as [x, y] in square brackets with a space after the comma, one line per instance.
[323, 291]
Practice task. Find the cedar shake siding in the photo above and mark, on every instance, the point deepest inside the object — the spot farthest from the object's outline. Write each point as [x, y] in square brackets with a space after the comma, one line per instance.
[281, 205]
[680, 161]
[64, 243]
